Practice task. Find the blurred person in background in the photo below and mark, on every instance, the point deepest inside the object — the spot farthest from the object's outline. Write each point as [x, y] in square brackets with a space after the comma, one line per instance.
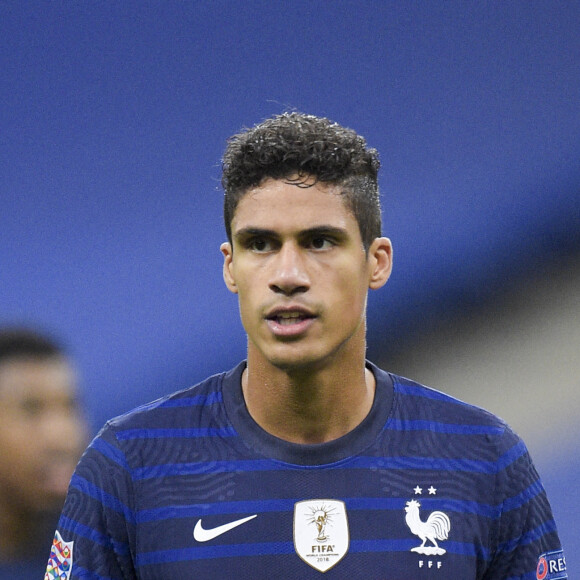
[42, 435]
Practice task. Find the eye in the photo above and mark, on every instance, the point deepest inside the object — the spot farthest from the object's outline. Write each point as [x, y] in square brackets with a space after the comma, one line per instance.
[259, 245]
[31, 407]
[321, 243]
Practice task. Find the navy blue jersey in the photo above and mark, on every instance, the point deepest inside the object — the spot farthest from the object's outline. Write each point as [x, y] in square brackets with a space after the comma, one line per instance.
[191, 487]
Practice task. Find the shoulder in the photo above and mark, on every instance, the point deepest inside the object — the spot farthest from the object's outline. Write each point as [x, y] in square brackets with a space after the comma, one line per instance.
[178, 409]
[419, 405]
[447, 425]
[416, 397]
[170, 422]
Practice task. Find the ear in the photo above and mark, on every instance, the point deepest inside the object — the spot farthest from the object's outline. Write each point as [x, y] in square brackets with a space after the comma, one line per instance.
[380, 258]
[226, 250]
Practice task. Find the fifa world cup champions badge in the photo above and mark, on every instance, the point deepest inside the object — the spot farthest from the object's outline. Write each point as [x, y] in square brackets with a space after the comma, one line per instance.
[321, 536]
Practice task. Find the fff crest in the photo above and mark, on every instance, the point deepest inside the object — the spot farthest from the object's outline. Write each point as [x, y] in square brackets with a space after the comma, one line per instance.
[321, 536]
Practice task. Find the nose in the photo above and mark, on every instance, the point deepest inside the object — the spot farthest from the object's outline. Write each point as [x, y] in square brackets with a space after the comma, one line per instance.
[289, 273]
[63, 431]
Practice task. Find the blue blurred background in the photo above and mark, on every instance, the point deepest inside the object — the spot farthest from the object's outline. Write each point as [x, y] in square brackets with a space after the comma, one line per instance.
[113, 119]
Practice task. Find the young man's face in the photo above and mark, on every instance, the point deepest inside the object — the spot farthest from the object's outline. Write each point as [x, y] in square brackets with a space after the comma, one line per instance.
[42, 432]
[301, 274]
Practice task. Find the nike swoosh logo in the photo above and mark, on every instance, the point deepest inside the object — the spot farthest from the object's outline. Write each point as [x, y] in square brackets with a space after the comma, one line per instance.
[202, 535]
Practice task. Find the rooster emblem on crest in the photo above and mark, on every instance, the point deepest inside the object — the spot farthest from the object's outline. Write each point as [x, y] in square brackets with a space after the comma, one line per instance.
[435, 528]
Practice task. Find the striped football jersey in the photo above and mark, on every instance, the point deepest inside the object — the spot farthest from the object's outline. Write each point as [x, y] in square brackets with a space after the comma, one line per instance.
[189, 486]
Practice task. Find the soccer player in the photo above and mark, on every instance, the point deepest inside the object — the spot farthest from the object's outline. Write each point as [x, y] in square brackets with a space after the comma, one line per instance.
[305, 458]
[42, 435]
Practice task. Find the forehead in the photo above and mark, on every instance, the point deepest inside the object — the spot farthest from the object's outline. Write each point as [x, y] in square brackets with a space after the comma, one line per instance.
[24, 377]
[280, 204]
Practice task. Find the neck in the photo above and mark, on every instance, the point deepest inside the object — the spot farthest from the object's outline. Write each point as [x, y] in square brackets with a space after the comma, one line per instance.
[308, 405]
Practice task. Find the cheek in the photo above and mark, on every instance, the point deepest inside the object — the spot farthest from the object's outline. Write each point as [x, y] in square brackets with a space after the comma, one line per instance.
[246, 305]
[350, 288]
[17, 447]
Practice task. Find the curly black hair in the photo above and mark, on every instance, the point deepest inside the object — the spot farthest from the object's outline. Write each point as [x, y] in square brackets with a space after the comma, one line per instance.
[296, 144]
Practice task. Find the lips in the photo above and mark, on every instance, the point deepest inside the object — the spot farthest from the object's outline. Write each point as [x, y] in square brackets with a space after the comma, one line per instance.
[55, 476]
[287, 318]
[289, 321]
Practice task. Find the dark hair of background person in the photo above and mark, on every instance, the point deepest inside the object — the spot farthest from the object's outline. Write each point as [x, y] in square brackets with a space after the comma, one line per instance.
[16, 342]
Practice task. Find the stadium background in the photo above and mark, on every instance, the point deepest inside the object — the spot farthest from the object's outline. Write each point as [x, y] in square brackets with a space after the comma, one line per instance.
[113, 119]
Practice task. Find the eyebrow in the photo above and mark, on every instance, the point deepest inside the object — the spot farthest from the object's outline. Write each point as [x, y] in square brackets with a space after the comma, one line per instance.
[251, 232]
[321, 230]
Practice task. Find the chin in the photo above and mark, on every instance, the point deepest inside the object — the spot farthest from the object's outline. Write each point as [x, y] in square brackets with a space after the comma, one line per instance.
[304, 359]
[48, 500]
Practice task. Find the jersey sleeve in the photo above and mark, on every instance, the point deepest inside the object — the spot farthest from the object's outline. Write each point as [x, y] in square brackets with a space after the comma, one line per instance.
[97, 524]
[526, 531]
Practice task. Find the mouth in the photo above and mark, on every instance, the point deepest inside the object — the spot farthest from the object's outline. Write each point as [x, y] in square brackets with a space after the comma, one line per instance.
[288, 318]
[56, 477]
[290, 322]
